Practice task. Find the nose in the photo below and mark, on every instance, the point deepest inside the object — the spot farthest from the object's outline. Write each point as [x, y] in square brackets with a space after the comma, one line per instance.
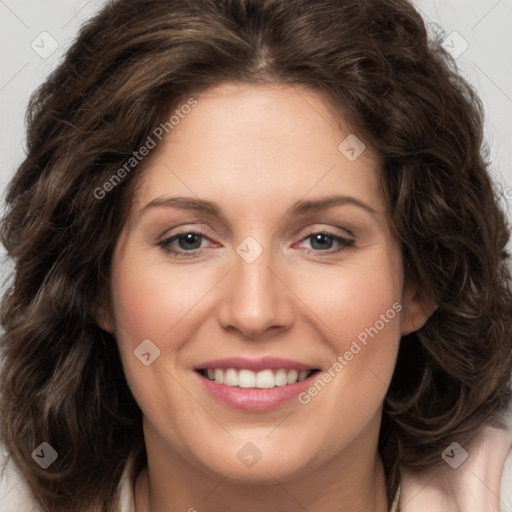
[255, 300]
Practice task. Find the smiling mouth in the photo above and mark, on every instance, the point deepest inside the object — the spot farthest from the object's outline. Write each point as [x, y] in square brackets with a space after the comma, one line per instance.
[248, 379]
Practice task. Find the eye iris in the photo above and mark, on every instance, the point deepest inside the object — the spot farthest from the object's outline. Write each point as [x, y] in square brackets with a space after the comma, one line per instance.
[321, 238]
[189, 238]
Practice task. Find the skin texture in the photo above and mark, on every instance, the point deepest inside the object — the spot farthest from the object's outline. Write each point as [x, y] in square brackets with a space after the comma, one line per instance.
[254, 151]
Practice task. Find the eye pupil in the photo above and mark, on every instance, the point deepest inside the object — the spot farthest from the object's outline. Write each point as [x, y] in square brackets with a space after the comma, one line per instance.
[189, 238]
[322, 239]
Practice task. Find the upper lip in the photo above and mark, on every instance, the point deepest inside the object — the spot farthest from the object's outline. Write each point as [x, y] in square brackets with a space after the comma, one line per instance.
[255, 365]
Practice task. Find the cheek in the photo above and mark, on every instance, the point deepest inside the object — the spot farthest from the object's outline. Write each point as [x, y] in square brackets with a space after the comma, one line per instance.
[155, 301]
[150, 299]
[357, 297]
[361, 307]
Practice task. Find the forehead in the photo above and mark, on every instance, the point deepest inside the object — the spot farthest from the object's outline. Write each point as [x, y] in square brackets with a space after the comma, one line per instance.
[260, 145]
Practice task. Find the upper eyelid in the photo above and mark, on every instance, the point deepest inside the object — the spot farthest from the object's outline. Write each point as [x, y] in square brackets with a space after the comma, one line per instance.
[191, 227]
[329, 231]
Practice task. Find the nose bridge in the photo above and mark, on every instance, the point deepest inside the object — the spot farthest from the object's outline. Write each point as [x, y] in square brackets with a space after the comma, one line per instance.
[255, 299]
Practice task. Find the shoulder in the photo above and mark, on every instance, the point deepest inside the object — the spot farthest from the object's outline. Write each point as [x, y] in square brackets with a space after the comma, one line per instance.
[15, 495]
[471, 478]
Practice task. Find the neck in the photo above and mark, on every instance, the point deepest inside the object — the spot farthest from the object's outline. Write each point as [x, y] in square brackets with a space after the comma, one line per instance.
[348, 482]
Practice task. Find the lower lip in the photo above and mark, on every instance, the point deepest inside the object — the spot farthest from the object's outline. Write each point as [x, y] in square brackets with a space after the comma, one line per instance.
[255, 399]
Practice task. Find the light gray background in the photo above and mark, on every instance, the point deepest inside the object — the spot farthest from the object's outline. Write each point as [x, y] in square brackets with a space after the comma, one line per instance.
[31, 28]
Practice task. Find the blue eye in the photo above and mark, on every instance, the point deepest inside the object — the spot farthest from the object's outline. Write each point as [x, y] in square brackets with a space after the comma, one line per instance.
[322, 241]
[187, 244]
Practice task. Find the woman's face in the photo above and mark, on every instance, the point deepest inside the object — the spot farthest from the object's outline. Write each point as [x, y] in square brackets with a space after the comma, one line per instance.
[257, 298]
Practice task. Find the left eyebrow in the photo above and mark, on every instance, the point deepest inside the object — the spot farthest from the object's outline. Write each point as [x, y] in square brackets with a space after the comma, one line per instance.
[315, 205]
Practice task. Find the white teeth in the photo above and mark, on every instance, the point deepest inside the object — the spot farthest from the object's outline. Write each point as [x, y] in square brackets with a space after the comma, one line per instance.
[281, 377]
[231, 377]
[219, 376]
[246, 379]
[265, 379]
[302, 375]
[292, 376]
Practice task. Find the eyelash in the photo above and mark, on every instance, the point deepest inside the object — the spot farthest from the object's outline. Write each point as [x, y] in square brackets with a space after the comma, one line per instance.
[345, 243]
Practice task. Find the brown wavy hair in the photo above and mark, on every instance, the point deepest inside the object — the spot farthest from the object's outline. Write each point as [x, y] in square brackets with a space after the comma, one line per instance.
[374, 62]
